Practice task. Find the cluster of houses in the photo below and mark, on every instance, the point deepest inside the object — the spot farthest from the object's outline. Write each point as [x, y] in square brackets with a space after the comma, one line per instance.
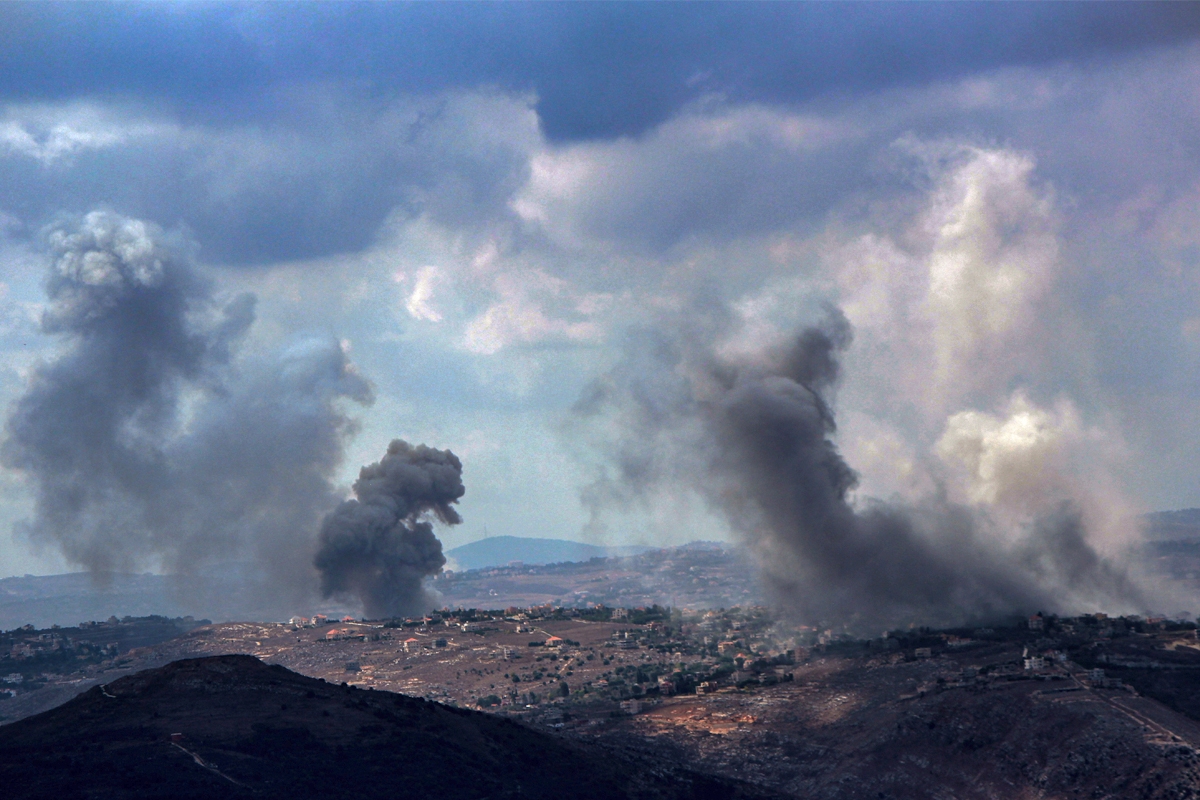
[333, 634]
[315, 621]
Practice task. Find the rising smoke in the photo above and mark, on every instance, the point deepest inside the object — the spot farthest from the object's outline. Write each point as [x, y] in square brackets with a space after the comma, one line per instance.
[150, 445]
[753, 435]
[379, 546]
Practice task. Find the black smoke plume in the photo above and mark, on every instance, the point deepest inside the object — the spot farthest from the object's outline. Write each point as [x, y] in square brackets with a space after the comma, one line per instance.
[753, 436]
[150, 445]
[380, 546]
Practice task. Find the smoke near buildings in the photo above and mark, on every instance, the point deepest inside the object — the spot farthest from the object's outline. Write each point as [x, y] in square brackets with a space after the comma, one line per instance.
[149, 445]
[379, 546]
[752, 434]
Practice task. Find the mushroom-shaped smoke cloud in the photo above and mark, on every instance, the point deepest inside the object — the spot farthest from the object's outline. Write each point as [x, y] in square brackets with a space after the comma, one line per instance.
[380, 545]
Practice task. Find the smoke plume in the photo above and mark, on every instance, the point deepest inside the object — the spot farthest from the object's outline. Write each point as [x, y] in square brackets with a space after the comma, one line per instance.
[379, 545]
[150, 445]
[753, 435]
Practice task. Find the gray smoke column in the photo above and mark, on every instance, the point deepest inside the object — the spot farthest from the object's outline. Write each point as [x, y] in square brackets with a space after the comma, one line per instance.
[149, 444]
[753, 436]
[379, 546]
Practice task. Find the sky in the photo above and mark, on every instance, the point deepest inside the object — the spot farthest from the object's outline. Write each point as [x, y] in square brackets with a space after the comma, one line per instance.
[457, 220]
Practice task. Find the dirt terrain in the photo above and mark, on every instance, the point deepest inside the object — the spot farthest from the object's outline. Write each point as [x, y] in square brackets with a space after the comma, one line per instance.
[1087, 707]
[434, 661]
[848, 729]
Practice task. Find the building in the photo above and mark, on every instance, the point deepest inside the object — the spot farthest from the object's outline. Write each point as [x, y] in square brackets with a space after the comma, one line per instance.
[923, 652]
[630, 706]
[1099, 680]
[1035, 664]
[666, 686]
[554, 641]
[411, 644]
[1037, 623]
[727, 648]
[620, 613]
[319, 619]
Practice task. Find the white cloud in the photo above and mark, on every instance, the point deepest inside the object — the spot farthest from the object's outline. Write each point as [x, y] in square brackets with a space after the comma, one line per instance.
[519, 316]
[51, 134]
[712, 173]
[421, 297]
[53, 144]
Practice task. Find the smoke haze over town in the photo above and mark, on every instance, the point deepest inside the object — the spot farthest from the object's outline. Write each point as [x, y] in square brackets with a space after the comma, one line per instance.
[901, 299]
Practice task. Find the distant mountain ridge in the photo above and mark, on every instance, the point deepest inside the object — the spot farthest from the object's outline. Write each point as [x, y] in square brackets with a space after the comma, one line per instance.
[220, 593]
[499, 551]
[1180, 525]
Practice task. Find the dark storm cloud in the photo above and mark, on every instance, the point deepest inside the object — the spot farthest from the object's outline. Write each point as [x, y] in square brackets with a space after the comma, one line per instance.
[380, 546]
[754, 437]
[600, 70]
[147, 445]
[319, 177]
[275, 144]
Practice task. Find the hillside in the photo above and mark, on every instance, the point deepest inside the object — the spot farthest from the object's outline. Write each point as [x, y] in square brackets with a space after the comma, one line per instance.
[918, 714]
[499, 551]
[231, 726]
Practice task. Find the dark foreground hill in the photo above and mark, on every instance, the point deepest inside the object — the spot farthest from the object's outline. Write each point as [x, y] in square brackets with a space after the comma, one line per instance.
[232, 726]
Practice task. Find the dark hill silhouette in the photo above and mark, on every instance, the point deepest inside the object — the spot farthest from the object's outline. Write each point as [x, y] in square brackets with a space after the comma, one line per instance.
[253, 730]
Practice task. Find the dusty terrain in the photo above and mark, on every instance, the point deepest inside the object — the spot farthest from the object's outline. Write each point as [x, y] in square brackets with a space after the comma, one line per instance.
[693, 576]
[854, 729]
[1086, 707]
[435, 661]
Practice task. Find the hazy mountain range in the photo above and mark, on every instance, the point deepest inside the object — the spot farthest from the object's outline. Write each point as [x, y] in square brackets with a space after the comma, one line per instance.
[44, 600]
[498, 551]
